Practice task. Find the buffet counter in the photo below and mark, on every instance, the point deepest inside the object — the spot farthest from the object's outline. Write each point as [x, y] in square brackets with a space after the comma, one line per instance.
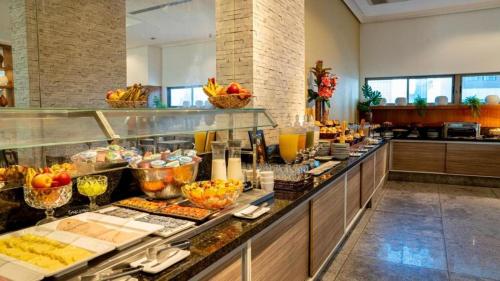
[478, 158]
[293, 241]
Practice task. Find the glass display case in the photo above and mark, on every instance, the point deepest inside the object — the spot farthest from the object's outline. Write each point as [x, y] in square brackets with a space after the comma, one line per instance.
[37, 138]
[28, 128]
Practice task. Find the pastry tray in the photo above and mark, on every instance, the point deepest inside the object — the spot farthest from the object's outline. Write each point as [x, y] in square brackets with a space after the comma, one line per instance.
[162, 204]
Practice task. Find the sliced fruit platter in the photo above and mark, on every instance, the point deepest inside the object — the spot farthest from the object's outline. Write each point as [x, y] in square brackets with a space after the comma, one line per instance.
[48, 252]
[232, 96]
[118, 232]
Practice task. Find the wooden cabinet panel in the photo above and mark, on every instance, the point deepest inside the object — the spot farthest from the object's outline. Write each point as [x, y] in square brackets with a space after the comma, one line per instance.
[282, 252]
[420, 157]
[327, 222]
[473, 159]
[367, 179]
[381, 164]
[230, 270]
[353, 193]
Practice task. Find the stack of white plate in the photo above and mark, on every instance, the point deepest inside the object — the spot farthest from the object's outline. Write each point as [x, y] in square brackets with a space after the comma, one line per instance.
[340, 151]
[323, 148]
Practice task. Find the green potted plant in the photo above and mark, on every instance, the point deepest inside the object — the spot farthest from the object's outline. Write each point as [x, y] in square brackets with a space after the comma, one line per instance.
[370, 98]
[421, 105]
[474, 104]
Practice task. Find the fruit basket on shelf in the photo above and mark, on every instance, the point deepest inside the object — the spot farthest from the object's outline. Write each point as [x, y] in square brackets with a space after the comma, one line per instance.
[229, 101]
[135, 96]
[232, 96]
[213, 195]
[126, 104]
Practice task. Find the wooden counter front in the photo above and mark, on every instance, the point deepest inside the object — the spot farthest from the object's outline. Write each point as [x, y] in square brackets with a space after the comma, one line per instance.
[327, 222]
[230, 270]
[353, 199]
[367, 179]
[473, 159]
[282, 253]
[418, 156]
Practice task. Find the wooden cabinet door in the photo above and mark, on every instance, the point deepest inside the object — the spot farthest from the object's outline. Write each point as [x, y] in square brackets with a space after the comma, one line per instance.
[381, 164]
[229, 270]
[282, 252]
[367, 179]
[418, 156]
[473, 159]
[327, 222]
[353, 193]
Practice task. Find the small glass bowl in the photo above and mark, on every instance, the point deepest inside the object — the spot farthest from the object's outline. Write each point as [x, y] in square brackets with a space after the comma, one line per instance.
[92, 186]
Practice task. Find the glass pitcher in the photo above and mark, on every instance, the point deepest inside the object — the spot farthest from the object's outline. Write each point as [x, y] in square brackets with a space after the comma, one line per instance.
[234, 160]
[219, 160]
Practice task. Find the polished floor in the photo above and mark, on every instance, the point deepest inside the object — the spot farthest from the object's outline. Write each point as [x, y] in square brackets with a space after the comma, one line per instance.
[421, 231]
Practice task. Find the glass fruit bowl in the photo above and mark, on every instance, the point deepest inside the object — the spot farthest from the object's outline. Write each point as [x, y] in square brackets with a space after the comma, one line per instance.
[48, 199]
[213, 195]
[166, 182]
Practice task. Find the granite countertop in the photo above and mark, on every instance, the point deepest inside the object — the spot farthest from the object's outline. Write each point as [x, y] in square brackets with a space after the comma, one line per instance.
[213, 244]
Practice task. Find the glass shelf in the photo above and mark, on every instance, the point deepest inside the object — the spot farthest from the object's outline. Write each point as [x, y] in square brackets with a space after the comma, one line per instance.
[24, 128]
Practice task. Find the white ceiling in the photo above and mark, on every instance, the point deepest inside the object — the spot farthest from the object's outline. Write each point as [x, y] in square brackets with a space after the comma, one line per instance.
[385, 10]
[188, 21]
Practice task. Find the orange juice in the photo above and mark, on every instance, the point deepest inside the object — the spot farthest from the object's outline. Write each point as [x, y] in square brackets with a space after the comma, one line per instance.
[288, 147]
[199, 141]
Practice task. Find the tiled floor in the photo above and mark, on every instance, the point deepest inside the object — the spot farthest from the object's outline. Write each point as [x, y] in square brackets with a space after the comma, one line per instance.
[421, 231]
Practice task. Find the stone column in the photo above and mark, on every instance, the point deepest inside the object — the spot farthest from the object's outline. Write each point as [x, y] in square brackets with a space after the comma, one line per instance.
[261, 44]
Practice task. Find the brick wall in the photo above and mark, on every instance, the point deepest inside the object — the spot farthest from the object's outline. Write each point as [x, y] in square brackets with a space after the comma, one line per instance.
[25, 52]
[263, 47]
[81, 52]
[279, 59]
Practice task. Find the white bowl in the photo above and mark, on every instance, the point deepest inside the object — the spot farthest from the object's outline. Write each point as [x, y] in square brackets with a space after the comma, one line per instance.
[383, 101]
[401, 101]
[441, 100]
[492, 99]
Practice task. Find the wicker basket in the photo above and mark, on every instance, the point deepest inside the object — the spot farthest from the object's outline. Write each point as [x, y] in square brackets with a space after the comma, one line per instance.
[229, 101]
[294, 186]
[127, 104]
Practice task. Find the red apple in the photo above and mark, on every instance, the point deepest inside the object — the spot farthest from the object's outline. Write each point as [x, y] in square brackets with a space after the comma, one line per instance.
[42, 181]
[244, 93]
[109, 93]
[233, 88]
[55, 183]
[63, 178]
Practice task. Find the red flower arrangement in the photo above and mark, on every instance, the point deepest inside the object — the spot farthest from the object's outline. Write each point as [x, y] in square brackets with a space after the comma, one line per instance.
[325, 83]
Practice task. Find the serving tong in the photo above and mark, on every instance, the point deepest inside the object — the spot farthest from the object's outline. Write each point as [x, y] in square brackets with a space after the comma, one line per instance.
[153, 255]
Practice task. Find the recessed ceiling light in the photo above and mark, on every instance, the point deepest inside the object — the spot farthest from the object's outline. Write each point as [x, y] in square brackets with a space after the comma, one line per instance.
[378, 2]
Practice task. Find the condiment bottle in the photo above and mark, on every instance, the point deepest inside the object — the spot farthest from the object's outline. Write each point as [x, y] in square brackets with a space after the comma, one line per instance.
[219, 160]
